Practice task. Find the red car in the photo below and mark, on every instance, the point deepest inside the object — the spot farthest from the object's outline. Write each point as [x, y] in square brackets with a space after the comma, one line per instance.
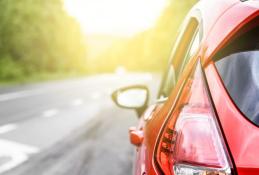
[206, 117]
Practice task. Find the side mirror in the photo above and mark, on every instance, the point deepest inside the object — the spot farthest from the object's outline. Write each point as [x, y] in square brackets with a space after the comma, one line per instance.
[132, 97]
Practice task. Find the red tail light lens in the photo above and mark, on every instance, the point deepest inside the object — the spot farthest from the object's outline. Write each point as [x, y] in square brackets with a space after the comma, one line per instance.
[191, 142]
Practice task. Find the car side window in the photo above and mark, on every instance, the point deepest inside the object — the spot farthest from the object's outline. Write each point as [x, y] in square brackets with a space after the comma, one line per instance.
[186, 45]
[193, 48]
[169, 82]
[237, 64]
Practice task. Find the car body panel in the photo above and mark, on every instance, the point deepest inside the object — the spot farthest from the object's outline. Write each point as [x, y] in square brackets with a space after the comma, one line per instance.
[242, 136]
[227, 25]
[146, 152]
[208, 18]
[218, 26]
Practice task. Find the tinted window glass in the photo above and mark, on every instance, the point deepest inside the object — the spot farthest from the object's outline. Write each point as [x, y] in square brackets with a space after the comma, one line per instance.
[238, 66]
[240, 74]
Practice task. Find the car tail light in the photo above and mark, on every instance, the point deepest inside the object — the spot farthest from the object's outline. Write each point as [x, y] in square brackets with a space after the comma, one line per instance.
[191, 142]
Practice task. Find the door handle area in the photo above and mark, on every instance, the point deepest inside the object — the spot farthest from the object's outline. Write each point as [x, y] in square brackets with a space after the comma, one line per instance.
[136, 136]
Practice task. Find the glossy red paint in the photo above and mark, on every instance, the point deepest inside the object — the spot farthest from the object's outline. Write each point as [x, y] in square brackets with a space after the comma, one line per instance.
[227, 25]
[220, 20]
[136, 136]
[242, 136]
[145, 153]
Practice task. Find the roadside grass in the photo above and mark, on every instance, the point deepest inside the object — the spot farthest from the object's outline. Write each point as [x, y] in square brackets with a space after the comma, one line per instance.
[41, 77]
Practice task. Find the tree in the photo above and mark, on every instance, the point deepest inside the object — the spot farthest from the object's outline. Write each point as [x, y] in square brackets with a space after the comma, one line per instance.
[149, 50]
[38, 36]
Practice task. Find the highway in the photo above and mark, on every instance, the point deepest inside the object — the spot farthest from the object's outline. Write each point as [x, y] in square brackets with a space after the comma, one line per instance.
[68, 127]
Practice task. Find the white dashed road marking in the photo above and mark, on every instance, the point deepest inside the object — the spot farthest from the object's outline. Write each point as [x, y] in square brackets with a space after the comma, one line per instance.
[13, 154]
[50, 113]
[7, 128]
[21, 94]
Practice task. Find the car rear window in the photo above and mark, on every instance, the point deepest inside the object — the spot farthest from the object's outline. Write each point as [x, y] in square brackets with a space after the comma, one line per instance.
[238, 66]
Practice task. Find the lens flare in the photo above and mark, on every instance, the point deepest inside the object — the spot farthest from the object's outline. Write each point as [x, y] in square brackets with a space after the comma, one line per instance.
[115, 17]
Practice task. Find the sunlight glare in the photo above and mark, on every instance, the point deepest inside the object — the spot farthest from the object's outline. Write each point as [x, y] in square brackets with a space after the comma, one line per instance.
[115, 17]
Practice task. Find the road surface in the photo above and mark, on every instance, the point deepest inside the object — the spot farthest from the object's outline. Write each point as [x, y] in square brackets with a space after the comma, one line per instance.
[68, 127]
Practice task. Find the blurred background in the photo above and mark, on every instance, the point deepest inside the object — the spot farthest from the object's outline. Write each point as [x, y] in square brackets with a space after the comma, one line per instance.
[59, 62]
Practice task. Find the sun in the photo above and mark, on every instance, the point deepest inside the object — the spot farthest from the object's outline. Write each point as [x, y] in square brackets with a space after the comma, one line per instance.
[115, 17]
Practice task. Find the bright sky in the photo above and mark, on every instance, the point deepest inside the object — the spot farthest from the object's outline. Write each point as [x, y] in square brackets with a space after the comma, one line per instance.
[115, 17]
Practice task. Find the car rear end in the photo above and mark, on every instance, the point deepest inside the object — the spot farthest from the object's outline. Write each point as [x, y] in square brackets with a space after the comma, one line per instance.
[214, 126]
[233, 79]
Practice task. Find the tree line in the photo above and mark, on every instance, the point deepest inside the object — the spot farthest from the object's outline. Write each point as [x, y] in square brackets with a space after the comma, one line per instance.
[151, 49]
[38, 36]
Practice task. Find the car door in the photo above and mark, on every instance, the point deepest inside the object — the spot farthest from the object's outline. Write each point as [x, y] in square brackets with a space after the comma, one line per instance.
[186, 45]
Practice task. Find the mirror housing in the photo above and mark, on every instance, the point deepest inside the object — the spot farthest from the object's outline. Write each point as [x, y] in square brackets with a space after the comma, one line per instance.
[132, 97]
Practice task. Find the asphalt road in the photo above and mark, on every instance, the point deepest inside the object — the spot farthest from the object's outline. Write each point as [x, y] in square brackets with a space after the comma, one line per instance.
[68, 127]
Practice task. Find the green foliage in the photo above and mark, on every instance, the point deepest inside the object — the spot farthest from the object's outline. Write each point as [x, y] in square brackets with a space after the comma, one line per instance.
[38, 36]
[150, 50]
[9, 69]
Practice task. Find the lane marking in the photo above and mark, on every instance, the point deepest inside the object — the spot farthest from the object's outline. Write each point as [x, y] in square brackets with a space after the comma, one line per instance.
[50, 113]
[7, 128]
[13, 154]
[21, 94]
[77, 102]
